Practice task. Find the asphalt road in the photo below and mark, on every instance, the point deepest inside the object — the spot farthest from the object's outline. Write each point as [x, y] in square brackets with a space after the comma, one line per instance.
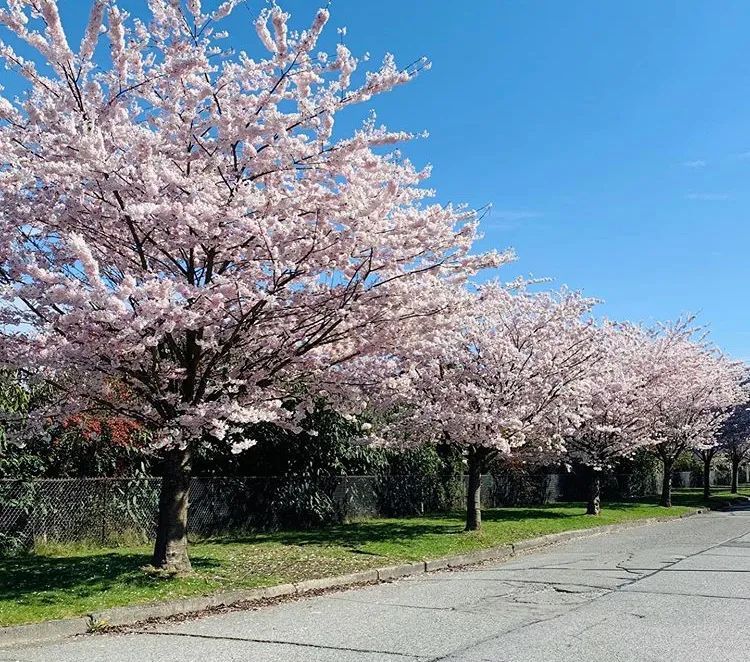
[671, 591]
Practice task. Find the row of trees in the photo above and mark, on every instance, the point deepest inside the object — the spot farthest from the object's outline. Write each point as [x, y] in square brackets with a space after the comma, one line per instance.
[188, 242]
[733, 443]
[514, 371]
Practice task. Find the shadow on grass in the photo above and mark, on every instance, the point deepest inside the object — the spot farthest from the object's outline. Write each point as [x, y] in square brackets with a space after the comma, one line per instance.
[693, 497]
[359, 534]
[79, 576]
[351, 535]
[525, 514]
[83, 575]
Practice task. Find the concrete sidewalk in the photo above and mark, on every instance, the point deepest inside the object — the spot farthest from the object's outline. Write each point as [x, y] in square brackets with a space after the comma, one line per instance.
[676, 590]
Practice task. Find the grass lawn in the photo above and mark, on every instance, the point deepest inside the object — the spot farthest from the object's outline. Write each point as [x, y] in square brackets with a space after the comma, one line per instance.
[720, 496]
[59, 582]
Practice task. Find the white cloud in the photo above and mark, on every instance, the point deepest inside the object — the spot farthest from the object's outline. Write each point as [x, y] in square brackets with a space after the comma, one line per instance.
[697, 163]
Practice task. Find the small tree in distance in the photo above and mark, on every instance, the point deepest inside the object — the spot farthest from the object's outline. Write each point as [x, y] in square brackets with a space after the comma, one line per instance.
[184, 239]
[735, 441]
[706, 455]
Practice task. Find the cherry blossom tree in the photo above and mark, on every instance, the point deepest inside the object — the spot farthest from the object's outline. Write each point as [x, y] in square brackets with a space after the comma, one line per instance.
[613, 416]
[734, 440]
[186, 240]
[706, 455]
[697, 389]
[502, 375]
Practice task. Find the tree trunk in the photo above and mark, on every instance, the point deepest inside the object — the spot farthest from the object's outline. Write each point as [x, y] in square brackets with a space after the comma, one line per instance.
[735, 474]
[594, 504]
[666, 485]
[171, 548]
[474, 493]
[707, 477]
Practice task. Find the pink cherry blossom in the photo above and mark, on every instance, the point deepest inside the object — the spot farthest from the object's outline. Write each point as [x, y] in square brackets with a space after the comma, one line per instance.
[662, 390]
[185, 239]
[505, 372]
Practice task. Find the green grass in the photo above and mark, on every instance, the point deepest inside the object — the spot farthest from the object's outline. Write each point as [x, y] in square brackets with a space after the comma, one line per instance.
[59, 582]
[720, 496]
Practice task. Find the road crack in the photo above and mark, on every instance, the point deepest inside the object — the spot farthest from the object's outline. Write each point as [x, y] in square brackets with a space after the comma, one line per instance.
[282, 642]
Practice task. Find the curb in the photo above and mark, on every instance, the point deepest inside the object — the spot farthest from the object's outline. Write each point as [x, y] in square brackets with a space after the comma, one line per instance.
[37, 633]
[49, 631]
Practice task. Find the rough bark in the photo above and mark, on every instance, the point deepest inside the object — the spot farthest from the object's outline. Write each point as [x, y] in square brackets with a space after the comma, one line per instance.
[666, 485]
[594, 502]
[707, 476]
[171, 548]
[735, 475]
[474, 491]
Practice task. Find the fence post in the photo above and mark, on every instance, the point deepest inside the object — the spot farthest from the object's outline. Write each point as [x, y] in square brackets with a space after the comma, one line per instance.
[422, 491]
[104, 512]
[34, 512]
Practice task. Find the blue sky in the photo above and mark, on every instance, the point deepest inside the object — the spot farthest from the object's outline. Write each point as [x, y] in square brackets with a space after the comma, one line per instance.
[612, 138]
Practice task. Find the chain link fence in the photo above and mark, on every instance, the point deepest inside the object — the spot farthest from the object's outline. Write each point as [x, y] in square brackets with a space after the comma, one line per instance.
[718, 478]
[109, 511]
